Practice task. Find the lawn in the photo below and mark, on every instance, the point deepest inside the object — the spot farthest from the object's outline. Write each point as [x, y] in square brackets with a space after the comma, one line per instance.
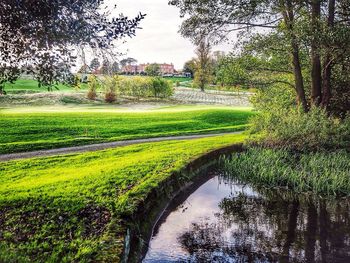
[27, 129]
[29, 85]
[71, 208]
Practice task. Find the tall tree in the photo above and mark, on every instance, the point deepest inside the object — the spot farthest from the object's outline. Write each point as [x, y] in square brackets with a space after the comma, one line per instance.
[203, 71]
[115, 67]
[320, 29]
[128, 61]
[153, 69]
[316, 89]
[42, 34]
[94, 64]
[106, 67]
[190, 66]
[327, 63]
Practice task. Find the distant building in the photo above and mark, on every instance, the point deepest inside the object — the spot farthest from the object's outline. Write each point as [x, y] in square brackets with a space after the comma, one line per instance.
[165, 69]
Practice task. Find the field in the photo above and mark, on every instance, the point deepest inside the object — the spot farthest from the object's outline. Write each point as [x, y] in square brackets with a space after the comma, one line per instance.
[28, 85]
[25, 129]
[71, 208]
[31, 86]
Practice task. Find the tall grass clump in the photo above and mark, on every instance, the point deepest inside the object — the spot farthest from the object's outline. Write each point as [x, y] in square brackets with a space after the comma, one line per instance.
[318, 172]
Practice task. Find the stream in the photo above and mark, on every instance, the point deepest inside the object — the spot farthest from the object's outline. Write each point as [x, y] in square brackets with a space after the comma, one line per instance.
[222, 220]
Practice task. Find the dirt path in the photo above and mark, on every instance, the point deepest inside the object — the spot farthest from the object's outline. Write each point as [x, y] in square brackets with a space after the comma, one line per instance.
[101, 146]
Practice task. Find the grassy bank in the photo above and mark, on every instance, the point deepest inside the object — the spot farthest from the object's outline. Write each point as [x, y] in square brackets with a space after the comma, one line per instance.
[325, 173]
[58, 127]
[71, 208]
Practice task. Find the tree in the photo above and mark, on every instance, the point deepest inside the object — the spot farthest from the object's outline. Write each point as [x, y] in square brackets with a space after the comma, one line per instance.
[304, 29]
[7, 74]
[115, 67]
[106, 67]
[43, 34]
[128, 61]
[190, 66]
[153, 69]
[94, 64]
[203, 73]
[83, 69]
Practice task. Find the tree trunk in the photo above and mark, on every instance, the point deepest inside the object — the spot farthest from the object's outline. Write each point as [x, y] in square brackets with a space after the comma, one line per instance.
[288, 16]
[327, 64]
[316, 94]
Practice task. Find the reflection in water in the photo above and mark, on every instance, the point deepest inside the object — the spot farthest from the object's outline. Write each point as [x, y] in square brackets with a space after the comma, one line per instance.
[224, 221]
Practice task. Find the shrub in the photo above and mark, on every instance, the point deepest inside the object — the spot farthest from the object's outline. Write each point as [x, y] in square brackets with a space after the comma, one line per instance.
[282, 123]
[293, 128]
[161, 88]
[110, 89]
[110, 97]
[93, 85]
[143, 87]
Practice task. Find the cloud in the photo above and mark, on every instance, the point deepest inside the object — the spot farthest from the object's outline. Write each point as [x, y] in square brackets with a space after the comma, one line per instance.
[158, 40]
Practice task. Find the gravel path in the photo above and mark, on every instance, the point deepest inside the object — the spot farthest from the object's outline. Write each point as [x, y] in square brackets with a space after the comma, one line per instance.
[188, 95]
[101, 146]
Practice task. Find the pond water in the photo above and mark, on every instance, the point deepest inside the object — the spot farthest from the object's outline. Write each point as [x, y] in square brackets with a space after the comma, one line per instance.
[222, 220]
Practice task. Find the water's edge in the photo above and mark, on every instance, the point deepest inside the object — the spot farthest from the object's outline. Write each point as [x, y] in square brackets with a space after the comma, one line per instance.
[140, 228]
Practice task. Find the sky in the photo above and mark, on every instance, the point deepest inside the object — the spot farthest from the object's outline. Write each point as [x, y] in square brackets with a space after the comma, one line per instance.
[158, 40]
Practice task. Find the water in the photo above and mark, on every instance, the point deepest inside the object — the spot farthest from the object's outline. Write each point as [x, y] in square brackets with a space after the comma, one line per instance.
[225, 221]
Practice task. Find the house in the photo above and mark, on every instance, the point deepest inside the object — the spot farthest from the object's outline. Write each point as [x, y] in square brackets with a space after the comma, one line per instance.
[165, 69]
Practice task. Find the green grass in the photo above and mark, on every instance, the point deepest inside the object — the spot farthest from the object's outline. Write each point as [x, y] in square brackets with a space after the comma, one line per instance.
[178, 79]
[27, 129]
[28, 85]
[324, 173]
[71, 208]
[31, 86]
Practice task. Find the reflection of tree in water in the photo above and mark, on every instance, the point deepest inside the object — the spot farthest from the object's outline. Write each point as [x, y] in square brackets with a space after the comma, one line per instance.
[270, 228]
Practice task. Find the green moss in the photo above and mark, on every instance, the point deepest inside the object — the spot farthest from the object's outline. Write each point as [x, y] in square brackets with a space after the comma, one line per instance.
[52, 129]
[71, 208]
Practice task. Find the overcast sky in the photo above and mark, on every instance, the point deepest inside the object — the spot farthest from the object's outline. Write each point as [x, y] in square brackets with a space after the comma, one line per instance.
[158, 40]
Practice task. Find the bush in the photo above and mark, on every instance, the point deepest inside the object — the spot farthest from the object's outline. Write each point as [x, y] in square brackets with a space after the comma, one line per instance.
[293, 128]
[161, 88]
[93, 85]
[282, 123]
[143, 87]
[110, 89]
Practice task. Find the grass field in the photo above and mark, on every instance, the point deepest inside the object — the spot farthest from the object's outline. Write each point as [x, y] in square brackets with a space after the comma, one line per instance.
[30, 86]
[71, 208]
[27, 129]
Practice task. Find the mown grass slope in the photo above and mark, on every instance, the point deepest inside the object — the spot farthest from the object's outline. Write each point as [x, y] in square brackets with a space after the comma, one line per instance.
[26, 131]
[71, 208]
